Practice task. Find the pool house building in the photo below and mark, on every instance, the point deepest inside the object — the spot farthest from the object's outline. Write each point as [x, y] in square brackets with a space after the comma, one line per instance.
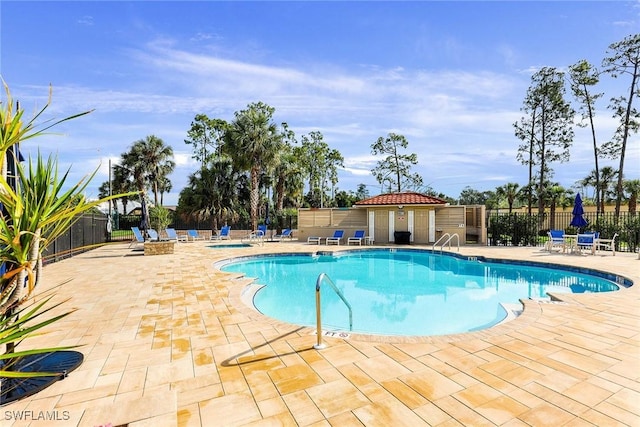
[403, 218]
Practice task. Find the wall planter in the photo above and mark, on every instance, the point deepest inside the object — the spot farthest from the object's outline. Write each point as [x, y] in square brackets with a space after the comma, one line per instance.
[158, 248]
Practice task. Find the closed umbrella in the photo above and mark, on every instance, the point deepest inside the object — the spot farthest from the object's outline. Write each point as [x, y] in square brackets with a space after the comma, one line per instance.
[144, 221]
[578, 220]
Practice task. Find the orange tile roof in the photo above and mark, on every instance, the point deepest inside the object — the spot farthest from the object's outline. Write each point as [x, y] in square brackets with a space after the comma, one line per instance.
[405, 198]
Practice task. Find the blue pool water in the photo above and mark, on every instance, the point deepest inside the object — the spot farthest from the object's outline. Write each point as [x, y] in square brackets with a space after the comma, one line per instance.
[403, 292]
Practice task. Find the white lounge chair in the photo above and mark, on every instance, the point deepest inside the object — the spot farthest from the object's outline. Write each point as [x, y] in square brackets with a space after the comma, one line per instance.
[336, 238]
[607, 244]
[287, 233]
[172, 235]
[193, 235]
[358, 237]
[153, 235]
[586, 241]
[137, 237]
[556, 240]
[223, 235]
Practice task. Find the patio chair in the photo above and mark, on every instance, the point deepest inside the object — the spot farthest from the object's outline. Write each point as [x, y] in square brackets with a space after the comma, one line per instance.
[223, 234]
[607, 244]
[153, 235]
[336, 238]
[193, 235]
[587, 241]
[173, 235]
[287, 233]
[137, 237]
[556, 240]
[358, 237]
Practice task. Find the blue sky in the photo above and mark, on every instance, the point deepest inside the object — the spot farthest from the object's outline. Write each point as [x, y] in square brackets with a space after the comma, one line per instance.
[449, 76]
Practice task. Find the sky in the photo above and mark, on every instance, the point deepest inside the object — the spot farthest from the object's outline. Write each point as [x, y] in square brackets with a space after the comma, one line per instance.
[451, 76]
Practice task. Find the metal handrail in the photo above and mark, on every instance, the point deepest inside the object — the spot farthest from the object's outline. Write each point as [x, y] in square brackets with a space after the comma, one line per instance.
[448, 241]
[323, 277]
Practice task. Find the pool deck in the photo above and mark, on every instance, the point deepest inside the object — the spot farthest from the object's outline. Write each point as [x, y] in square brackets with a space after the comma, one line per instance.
[168, 342]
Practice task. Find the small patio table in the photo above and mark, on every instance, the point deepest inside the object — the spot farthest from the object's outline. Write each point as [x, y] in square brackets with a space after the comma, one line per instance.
[570, 242]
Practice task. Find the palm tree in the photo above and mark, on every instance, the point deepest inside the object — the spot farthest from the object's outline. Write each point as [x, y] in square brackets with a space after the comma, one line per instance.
[556, 196]
[122, 182]
[607, 178]
[212, 193]
[164, 186]
[252, 141]
[632, 188]
[149, 161]
[510, 192]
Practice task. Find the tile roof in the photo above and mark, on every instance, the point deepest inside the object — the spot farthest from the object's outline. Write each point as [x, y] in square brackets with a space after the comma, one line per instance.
[404, 198]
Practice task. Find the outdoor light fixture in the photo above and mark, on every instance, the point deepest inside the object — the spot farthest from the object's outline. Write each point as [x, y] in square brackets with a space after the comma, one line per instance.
[400, 206]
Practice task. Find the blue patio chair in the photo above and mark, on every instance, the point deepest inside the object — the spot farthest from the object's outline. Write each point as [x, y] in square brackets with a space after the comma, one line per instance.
[607, 244]
[225, 233]
[173, 235]
[587, 241]
[336, 238]
[556, 240]
[358, 237]
[137, 237]
[287, 233]
[153, 235]
[193, 235]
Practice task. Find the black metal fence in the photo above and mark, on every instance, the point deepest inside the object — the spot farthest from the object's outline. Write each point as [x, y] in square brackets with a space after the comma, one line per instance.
[90, 230]
[521, 229]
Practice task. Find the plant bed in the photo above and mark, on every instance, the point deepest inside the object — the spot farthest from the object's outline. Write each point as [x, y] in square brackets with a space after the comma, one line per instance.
[158, 248]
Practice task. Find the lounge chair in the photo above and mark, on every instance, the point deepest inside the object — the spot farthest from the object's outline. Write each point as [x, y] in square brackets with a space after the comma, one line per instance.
[587, 241]
[556, 240]
[153, 235]
[173, 235]
[137, 237]
[358, 237]
[336, 238]
[193, 235]
[287, 233]
[223, 234]
[606, 244]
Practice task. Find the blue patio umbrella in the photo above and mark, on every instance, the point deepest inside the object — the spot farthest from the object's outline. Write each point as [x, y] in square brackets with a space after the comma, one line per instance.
[578, 219]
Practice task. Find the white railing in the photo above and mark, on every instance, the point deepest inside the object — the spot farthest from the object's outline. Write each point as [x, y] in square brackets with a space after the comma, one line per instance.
[446, 239]
[324, 278]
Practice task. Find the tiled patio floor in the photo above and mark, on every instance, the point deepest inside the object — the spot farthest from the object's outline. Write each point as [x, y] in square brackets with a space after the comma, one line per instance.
[167, 341]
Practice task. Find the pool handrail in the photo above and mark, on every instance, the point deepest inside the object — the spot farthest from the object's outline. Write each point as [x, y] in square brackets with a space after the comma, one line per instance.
[448, 240]
[324, 278]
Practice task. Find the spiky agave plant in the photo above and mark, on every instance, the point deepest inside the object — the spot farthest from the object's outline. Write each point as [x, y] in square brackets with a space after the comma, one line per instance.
[34, 213]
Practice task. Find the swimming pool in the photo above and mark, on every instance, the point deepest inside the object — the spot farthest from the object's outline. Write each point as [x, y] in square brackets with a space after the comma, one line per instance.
[403, 292]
